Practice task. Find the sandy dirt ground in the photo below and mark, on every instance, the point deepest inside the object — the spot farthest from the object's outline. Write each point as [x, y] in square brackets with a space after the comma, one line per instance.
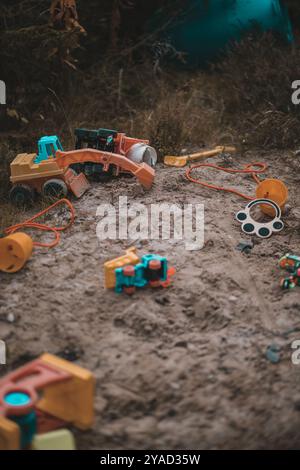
[183, 367]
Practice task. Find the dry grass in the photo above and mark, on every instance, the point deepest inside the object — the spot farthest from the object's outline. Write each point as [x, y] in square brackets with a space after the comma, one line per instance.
[246, 98]
[255, 81]
[174, 110]
[8, 216]
[7, 155]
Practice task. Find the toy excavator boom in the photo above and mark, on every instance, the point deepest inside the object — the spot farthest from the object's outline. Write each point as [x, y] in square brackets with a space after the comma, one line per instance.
[143, 172]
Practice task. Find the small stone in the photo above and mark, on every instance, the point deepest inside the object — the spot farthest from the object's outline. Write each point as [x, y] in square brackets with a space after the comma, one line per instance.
[175, 385]
[287, 209]
[245, 246]
[11, 318]
[273, 353]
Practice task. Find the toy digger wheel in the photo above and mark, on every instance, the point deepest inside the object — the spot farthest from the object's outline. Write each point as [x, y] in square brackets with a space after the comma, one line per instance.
[55, 189]
[288, 283]
[21, 195]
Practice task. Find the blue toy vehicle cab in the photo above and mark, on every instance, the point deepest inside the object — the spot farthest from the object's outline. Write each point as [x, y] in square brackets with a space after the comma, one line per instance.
[47, 148]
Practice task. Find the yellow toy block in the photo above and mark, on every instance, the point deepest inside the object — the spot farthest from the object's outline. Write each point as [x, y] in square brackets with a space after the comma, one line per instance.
[72, 400]
[9, 435]
[110, 266]
[62, 439]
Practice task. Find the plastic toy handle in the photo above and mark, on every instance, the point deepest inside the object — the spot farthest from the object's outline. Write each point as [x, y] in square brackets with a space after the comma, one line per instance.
[211, 153]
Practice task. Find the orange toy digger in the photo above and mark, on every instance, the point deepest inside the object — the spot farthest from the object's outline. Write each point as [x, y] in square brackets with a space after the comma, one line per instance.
[53, 172]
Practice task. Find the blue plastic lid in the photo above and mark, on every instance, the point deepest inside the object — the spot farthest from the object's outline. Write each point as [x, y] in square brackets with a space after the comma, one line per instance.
[17, 399]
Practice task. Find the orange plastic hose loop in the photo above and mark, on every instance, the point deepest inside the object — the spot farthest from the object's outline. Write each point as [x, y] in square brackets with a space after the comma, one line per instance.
[248, 169]
[43, 227]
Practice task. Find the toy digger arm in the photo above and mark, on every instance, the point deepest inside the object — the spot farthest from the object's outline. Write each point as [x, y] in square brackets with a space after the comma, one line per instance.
[143, 172]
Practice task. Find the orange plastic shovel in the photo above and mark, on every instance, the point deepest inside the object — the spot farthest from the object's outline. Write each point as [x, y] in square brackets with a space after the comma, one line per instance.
[171, 160]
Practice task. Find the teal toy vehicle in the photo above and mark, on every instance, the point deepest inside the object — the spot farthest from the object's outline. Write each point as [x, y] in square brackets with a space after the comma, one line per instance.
[152, 270]
[291, 263]
[47, 148]
[100, 139]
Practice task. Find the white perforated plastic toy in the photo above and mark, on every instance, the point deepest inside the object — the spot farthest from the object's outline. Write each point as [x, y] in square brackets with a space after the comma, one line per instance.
[261, 229]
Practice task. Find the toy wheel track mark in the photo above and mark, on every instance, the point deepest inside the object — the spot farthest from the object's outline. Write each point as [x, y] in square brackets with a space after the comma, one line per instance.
[55, 189]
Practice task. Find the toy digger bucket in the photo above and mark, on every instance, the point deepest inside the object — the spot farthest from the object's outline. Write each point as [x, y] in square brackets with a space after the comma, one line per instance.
[15, 251]
[276, 191]
[78, 184]
[145, 174]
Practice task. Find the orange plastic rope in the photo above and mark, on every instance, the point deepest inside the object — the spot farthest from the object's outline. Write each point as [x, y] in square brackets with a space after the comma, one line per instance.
[249, 169]
[43, 227]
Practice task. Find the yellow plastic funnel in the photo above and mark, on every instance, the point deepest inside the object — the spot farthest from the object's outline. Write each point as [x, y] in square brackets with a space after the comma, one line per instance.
[15, 251]
[276, 191]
